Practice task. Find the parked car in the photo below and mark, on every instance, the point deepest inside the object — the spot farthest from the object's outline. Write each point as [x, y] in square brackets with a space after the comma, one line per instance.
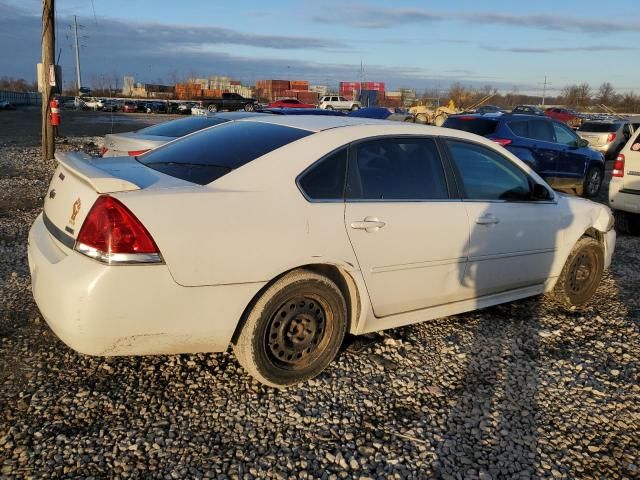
[156, 107]
[5, 105]
[550, 147]
[528, 110]
[290, 103]
[75, 104]
[303, 111]
[185, 108]
[382, 113]
[129, 107]
[110, 106]
[565, 115]
[336, 102]
[606, 137]
[93, 103]
[136, 143]
[279, 234]
[229, 101]
[484, 109]
[624, 188]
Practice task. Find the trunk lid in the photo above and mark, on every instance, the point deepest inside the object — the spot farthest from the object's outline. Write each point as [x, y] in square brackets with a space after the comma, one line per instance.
[594, 139]
[118, 144]
[631, 152]
[80, 179]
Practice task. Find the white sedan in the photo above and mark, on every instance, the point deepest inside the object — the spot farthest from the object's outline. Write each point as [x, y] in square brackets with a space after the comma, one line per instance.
[279, 234]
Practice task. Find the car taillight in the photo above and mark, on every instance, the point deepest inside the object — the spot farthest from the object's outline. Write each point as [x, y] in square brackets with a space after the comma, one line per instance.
[502, 141]
[135, 153]
[112, 234]
[611, 137]
[618, 166]
[102, 151]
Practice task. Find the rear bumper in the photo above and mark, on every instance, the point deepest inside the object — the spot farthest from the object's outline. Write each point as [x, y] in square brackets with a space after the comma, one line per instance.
[98, 309]
[621, 199]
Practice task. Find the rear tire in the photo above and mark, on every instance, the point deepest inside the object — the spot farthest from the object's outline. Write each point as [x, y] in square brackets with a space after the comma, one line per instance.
[354, 108]
[293, 331]
[328, 107]
[581, 273]
[249, 107]
[592, 182]
[213, 108]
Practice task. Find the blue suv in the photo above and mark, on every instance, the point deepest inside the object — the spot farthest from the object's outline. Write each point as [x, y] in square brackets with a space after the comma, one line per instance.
[549, 147]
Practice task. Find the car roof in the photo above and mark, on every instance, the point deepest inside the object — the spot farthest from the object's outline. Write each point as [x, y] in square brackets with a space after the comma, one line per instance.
[504, 116]
[315, 123]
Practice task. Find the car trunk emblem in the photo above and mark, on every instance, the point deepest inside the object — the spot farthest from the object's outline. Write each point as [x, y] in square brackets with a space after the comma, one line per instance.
[74, 212]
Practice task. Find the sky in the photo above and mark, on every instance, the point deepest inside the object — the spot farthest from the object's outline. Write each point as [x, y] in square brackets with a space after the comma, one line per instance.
[424, 44]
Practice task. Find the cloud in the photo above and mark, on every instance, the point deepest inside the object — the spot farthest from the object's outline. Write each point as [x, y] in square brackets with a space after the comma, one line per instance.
[365, 16]
[588, 48]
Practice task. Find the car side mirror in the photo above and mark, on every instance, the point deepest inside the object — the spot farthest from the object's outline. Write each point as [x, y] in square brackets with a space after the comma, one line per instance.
[582, 142]
[540, 192]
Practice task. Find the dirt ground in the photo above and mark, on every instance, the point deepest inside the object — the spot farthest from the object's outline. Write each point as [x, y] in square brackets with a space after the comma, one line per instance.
[21, 127]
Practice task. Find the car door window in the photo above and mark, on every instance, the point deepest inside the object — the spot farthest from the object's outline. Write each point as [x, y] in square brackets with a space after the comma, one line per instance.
[540, 130]
[396, 169]
[325, 179]
[626, 131]
[487, 175]
[519, 128]
[564, 135]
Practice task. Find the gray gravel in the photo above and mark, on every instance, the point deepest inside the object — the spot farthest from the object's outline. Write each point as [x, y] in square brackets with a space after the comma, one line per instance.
[525, 390]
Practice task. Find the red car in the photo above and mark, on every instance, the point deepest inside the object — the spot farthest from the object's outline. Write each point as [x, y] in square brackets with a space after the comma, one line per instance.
[290, 103]
[130, 107]
[570, 117]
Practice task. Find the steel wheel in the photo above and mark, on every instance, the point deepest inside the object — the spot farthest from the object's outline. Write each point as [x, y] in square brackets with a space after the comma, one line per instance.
[297, 332]
[592, 182]
[581, 273]
[248, 107]
[293, 330]
[213, 108]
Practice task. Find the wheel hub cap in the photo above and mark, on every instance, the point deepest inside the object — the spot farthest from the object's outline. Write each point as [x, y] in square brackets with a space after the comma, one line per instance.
[295, 330]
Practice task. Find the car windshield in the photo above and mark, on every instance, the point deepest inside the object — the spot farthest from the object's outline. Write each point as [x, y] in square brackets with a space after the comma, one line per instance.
[598, 127]
[479, 126]
[210, 154]
[182, 127]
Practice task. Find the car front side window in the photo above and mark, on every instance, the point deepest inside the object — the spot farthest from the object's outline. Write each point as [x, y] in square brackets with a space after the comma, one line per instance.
[564, 135]
[487, 175]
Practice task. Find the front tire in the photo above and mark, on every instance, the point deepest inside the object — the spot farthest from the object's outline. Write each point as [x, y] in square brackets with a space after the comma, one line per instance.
[354, 108]
[581, 273]
[328, 107]
[592, 182]
[249, 107]
[293, 331]
[213, 108]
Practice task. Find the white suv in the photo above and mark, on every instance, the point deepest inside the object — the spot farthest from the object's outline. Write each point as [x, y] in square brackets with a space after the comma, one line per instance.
[624, 189]
[336, 102]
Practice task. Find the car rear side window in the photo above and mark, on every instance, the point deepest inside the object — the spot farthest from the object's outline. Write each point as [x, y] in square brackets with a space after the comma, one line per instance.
[479, 126]
[182, 127]
[209, 154]
[325, 179]
[396, 169]
[519, 128]
[487, 175]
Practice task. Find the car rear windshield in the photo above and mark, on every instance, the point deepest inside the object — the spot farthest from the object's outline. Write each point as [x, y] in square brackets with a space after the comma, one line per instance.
[598, 127]
[210, 154]
[479, 126]
[182, 127]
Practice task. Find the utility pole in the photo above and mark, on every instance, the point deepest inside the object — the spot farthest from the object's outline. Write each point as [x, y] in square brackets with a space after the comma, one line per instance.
[544, 90]
[48, 59]
[75, 36]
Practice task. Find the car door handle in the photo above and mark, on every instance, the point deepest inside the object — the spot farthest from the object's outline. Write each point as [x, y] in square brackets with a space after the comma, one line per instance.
[487, 220]
[369, 224]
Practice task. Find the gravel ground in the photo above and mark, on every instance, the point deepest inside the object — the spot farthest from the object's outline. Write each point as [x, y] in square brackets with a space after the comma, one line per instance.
[525, 390]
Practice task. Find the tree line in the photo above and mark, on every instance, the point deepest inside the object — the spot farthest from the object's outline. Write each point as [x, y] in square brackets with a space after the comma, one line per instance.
[578, 96]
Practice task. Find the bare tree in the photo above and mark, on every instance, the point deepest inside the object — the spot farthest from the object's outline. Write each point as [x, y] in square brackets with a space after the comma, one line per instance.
[606, 94]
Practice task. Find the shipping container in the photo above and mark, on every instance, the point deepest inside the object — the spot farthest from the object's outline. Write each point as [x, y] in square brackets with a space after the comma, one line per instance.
[299, 85]
[369, 98]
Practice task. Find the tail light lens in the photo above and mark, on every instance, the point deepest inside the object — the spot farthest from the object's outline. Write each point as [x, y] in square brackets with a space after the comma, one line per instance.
[113, 235]
[618, 166]
[135, 153]
[611, 137]
[502, 141]
[102, 151]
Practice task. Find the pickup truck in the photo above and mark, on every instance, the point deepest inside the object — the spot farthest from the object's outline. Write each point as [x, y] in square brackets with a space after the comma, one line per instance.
[229, 101]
